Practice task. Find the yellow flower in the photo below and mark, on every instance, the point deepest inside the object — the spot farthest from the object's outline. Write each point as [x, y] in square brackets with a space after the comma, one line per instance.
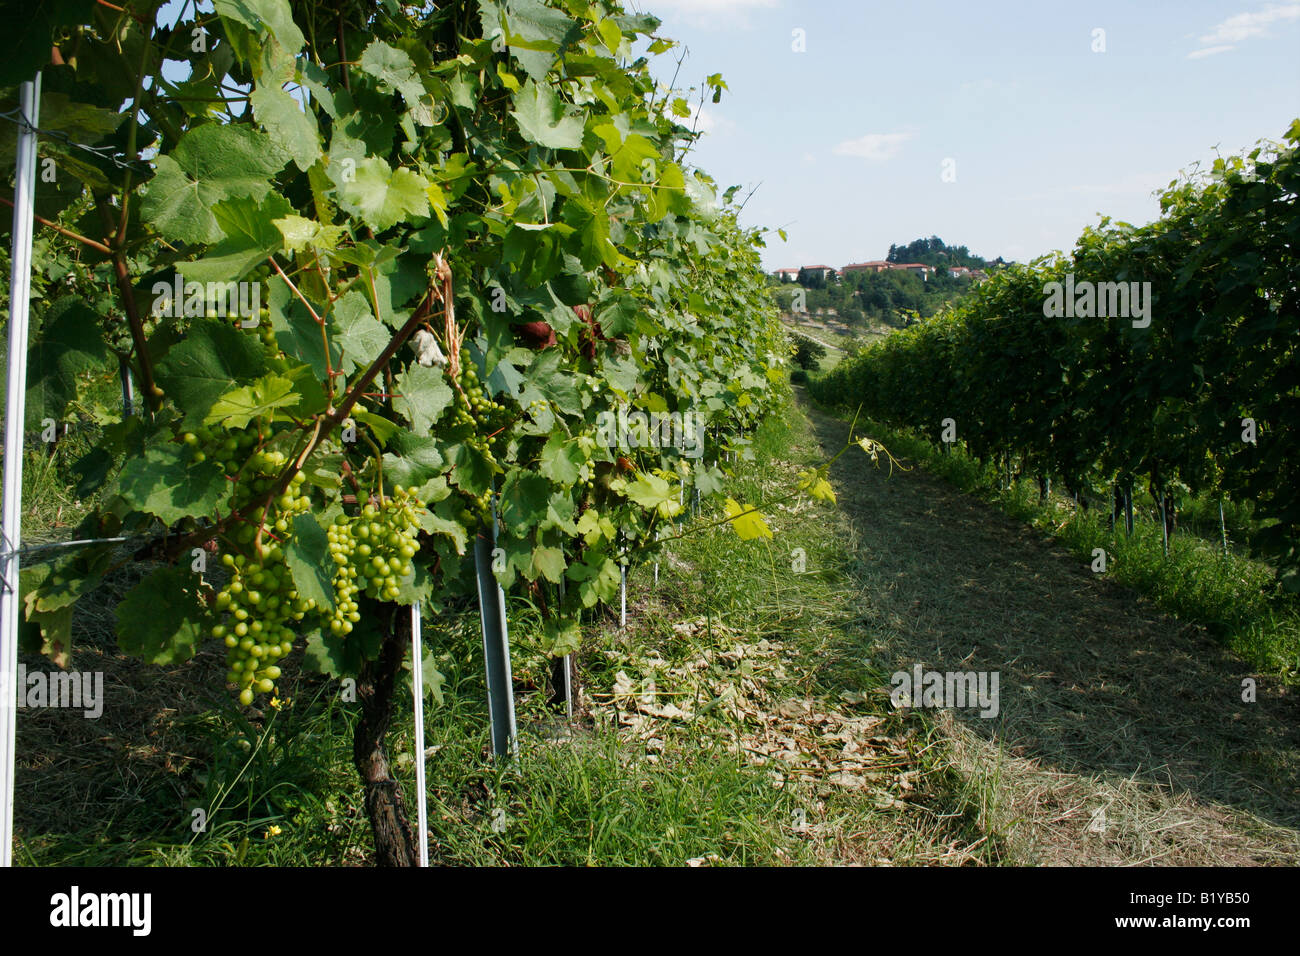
[273, 831]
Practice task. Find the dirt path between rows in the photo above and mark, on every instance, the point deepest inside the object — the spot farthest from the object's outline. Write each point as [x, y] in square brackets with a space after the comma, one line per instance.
[1122, 737]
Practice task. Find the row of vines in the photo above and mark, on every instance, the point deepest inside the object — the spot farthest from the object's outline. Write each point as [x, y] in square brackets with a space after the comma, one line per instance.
[470, 260]
[1194, 386]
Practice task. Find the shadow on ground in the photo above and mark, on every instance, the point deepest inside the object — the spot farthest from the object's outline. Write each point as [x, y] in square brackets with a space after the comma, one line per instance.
[1105, 703]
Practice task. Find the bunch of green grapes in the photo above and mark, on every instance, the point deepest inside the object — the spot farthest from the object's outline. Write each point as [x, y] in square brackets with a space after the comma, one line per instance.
[474, 408]
[259, 603]
[253, 470]
[372, 552]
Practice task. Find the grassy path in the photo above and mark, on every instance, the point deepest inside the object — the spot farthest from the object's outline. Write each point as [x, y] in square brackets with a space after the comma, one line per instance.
[1122, 736]
[742, 717]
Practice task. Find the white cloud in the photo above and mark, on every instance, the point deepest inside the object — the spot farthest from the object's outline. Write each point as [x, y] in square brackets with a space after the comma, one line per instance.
[877, 147]
[705, 120]
[809, 159]
[1210, 51]
[1243, 26]
[708, 13]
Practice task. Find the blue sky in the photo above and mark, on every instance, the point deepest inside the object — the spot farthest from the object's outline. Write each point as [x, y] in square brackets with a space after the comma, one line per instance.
[848, 139]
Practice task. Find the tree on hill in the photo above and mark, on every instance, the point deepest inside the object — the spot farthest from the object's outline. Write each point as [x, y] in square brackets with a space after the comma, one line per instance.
[934, 252]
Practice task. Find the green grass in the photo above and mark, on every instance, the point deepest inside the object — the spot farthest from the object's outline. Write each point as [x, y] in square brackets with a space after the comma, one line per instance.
[278, 787]
[1231, 594]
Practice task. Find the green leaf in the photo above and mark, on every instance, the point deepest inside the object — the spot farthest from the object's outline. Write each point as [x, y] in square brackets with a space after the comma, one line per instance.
[650, 491]
[395, 68]
[549, 563]
[412, 459]
[237, 408]
[69, 343]
[433, 678]
[214, 358]
[524, 497]
[69, 579]
[160, 620]
[747, 521]
[542, 119]
[598, 579]
[330, 654]
[814, 482]
[250, 237]
[545, 380]
[285, 119]
[534, 31]
[423, 394]
[308, 558]
[166, 481]
[358, 333]
[209, 164]
[262, 16]
[301, 234]
[383, 197]
[561, 459]
[296, 332]
[561, 637]
[470, 470]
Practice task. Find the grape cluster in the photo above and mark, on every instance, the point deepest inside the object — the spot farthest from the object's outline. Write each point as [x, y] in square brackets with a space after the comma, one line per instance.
[475, 409]
[372, 553]
[260, 600]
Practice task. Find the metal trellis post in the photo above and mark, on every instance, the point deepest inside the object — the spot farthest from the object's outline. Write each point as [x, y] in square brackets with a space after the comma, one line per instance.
[496, 643]
[20, 275]
[417, 686]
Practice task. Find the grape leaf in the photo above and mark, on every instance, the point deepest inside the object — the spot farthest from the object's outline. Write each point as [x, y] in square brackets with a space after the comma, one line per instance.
[214, 358]
[237, 408]
[524, 497]
[308, 558]
[383, 197]
[358, 333]
[166, 481]
[561, 459]
[423, 394]
[561, 637]
[285, 119]
[69, 343]
[748, 523]
[260, 15]
[211, 163]
[160, 620]
[395, 69]
[542, 120]
[412, 459]
[548, 562]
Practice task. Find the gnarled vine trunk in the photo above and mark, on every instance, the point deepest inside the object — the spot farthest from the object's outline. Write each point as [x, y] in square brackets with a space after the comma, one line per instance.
[395, 838]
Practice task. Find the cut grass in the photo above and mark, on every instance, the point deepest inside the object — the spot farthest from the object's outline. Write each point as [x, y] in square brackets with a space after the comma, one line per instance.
[1232, 595]
[1104, 701]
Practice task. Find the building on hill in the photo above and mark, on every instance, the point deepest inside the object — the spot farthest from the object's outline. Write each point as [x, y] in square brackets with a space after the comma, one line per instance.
[787, 275]
[825, 272]
[878, 266]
